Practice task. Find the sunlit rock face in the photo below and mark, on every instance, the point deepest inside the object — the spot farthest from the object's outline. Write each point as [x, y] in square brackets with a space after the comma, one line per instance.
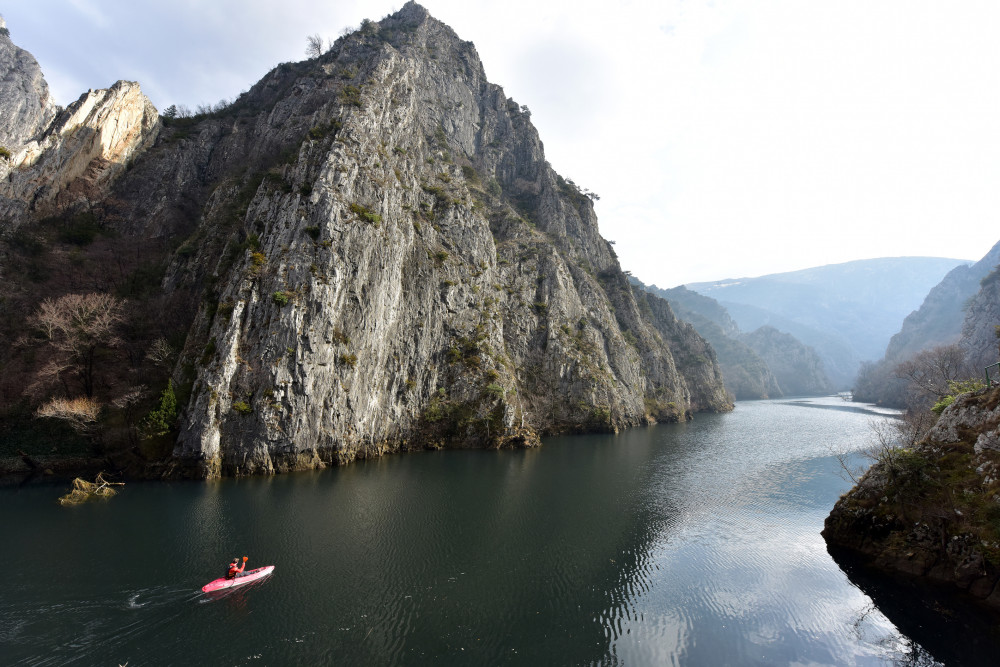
[80, 153]
[26, 108]
[423, 278]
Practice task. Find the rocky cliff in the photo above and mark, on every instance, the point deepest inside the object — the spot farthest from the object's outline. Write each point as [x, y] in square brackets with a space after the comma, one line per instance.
[938, 321]
[26, 108]
[77, 155]
[960, 309]
[797, 367]
[933, 511]
[747, 376]
[980, 332]
[366, 253]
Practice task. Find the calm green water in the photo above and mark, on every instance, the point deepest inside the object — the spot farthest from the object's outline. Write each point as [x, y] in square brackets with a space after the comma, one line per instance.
[690, 544]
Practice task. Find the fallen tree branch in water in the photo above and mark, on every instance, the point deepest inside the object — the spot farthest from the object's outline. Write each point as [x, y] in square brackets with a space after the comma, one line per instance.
[84, 490]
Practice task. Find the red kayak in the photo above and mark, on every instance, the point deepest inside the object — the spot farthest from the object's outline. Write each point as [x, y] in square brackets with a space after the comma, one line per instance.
[238, 580]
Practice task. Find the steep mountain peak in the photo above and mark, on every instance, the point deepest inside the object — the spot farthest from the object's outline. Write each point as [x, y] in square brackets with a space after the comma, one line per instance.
[26, 107]
[413, 11]
[79, 153]
[368, 252]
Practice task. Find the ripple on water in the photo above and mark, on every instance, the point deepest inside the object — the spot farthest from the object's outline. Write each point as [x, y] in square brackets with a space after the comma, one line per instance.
[682, 544]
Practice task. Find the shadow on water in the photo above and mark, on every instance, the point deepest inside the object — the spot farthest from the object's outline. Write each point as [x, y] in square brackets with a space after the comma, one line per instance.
[845, 406]
[941, 626]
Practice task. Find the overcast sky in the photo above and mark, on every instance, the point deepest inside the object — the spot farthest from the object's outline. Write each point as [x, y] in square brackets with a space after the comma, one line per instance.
[726, 138]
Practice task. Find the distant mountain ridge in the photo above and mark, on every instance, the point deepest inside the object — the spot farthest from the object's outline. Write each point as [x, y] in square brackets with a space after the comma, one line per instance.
[847, 312]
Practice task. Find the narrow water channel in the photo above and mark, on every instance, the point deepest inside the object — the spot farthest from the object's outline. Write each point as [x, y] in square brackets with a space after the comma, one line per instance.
[687, 544]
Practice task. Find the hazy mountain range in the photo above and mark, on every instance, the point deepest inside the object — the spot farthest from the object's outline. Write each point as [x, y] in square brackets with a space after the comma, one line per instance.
[846, 312]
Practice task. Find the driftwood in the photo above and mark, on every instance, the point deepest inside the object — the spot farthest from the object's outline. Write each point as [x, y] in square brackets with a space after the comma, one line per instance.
[84, 490]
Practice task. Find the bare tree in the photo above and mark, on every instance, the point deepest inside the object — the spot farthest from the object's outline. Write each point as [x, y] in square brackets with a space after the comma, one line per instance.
[128, 403]
[161, 353]
[930, 373]
[314, 46]
[889, 441]
[78, 327]
[80, 412]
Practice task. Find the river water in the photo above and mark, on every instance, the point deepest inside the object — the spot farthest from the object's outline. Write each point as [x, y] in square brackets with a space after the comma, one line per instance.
[684, 544]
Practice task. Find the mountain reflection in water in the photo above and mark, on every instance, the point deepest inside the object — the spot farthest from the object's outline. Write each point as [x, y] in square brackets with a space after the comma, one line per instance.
[686, 544]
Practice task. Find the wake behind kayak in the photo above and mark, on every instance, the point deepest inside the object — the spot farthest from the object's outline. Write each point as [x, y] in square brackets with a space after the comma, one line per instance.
[238, 580]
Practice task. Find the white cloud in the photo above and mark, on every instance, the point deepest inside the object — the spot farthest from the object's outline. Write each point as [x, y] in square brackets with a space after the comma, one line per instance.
[725, 138]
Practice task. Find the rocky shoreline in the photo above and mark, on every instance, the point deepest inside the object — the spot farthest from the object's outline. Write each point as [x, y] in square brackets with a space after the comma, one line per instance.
[933, 512]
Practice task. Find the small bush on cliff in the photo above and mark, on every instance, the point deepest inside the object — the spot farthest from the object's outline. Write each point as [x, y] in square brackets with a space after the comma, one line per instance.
[4, 153]
[242, 407]
[365, 213]
[495, 390]
[891, 443]
[208, 352]
[351, 95]
[955, 390]
[277, 181]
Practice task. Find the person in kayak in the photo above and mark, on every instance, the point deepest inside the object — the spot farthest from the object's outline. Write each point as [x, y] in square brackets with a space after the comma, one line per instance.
[235, 569]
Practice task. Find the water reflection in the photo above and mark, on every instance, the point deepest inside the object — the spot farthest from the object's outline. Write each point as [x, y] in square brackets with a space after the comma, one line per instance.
[685, 544]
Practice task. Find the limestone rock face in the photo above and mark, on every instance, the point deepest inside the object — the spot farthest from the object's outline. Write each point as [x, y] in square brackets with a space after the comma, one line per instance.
[26, 108]
[418, 276]
[979, 327]
[80, 154]
[367, 252]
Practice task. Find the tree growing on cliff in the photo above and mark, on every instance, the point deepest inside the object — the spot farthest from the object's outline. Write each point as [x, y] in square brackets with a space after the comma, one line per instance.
[314, 46]
[77, 329]
[890, 442]
[161, 419]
